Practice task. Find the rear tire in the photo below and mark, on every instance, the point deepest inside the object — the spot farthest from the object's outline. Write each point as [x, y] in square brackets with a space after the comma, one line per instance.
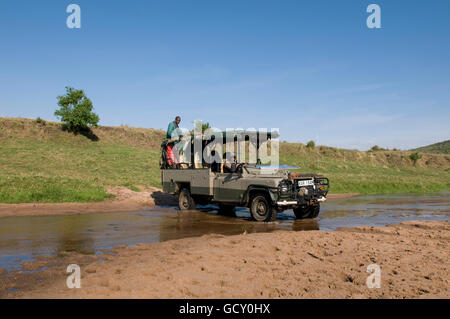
[227, 210]
[262, 209]
[307, 212]
[185, 200]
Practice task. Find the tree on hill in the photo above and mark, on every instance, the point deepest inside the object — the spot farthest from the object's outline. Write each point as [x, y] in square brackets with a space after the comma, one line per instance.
[415, 157]
[310, 144]
[205, 126]
[75, 110]
[376, 148]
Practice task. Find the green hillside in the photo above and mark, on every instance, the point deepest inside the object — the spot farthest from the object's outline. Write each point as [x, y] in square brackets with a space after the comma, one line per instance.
[39, 162]
[437, 148]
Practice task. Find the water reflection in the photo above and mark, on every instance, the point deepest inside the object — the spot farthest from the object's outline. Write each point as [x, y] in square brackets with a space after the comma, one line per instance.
[73, 234]
[24, 238]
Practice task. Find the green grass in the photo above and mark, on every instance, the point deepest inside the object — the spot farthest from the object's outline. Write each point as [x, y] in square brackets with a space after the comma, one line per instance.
[51, 171]
[365, 179]
[41, 163]
[31, 189]
[371, 173]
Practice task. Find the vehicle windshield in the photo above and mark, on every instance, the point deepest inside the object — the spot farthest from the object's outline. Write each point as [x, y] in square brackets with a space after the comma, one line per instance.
[273, 166]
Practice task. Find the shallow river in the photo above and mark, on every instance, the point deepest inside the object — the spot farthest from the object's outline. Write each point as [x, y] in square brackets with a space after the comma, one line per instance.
[23, 238]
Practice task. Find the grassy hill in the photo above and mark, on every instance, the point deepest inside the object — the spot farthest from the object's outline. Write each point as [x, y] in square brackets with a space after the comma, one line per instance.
[437, 148]
[39, 162]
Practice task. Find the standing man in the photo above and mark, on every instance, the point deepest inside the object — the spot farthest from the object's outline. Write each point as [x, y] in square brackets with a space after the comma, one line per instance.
[172, 127]
[172, 135]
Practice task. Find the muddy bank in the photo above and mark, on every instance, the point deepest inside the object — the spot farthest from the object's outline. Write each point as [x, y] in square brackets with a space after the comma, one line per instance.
[125, 201]
[413, 257]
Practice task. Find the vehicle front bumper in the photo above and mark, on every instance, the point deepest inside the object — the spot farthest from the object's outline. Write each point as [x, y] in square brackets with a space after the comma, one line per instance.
[295, 202]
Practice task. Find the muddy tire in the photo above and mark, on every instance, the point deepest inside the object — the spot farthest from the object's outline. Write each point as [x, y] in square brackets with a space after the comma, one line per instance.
[308, 212]
[262, 209]
[185, 200]
[227, 210]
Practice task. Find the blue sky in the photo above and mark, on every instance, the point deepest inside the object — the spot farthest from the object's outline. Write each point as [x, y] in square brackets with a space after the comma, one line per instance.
[311, 68]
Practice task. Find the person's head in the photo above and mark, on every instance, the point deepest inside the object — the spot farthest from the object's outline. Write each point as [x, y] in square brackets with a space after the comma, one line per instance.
[177, 120]
[228, 156]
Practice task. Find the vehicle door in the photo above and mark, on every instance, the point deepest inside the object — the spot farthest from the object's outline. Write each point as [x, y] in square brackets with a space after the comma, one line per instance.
[228, 187]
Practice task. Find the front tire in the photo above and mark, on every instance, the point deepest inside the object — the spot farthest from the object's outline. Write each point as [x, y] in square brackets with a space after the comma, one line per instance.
[262, 210]
[185, 200]
[307, 212]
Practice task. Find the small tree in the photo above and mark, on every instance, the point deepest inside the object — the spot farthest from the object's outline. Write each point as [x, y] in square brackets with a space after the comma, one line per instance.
[310, 144]
[415, 157]
[40, 121]
[75, 110]
[205, 126]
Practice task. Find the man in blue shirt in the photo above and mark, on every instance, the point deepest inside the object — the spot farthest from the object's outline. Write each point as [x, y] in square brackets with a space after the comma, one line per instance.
[172, 127]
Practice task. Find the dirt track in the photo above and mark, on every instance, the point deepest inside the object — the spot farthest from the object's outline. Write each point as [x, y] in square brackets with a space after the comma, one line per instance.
[413, 257]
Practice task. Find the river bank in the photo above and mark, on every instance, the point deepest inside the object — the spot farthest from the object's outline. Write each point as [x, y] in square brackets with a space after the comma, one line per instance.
[413, 257]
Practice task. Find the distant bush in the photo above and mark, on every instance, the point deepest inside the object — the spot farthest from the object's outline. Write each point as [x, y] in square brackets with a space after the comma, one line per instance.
[376, 148]
[310, 144]
[76, 110]
[415, 157]
[40, 121]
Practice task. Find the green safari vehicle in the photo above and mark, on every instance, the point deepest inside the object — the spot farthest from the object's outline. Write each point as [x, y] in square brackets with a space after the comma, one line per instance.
[266, 191]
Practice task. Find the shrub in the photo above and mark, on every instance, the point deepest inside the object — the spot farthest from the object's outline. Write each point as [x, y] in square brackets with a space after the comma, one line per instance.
[76, 110]
[376, 148]
[40, 121]
[310, 144]
[415, 157]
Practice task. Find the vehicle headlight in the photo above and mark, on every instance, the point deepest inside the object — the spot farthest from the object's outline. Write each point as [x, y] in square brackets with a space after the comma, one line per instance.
[284, 188]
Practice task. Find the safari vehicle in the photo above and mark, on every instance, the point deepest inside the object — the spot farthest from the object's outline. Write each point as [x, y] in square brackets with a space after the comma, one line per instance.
[265, 191]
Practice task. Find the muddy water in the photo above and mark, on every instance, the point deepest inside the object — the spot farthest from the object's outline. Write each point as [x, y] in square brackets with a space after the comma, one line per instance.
[24, 238]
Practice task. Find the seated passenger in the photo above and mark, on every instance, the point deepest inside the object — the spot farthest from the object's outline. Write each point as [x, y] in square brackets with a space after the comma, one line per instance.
[215, 166]
[227, 166]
